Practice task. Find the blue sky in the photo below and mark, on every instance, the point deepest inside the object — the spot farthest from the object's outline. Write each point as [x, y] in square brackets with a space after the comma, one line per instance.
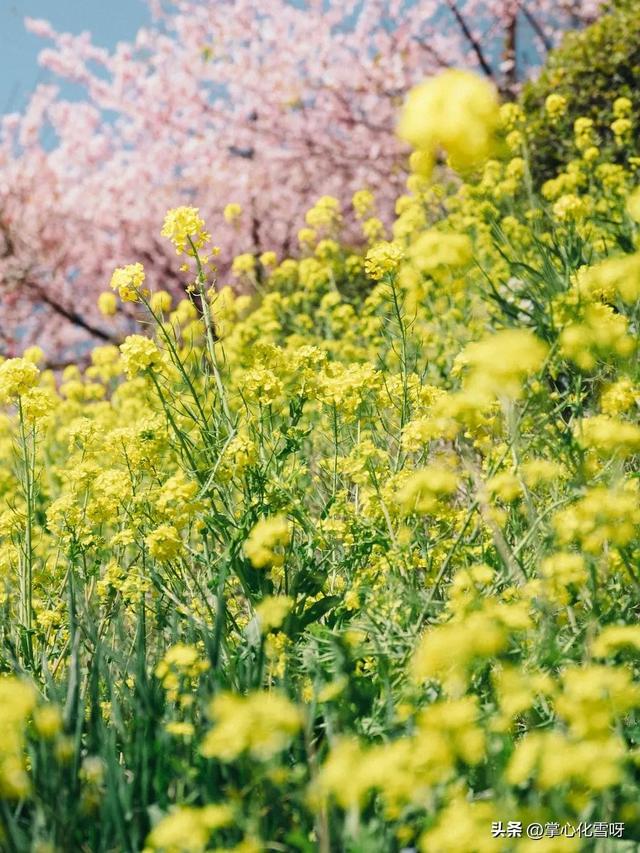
[110, 21]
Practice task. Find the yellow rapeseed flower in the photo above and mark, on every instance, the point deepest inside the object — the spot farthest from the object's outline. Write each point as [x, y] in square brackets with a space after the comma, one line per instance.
[128, 281]
[232, 212]
[107, 304]
[261, 724]
[455, 110]
[266, 541]
[184, 227]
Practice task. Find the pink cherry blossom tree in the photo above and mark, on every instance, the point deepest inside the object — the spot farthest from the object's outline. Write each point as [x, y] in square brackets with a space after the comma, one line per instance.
[269, 105]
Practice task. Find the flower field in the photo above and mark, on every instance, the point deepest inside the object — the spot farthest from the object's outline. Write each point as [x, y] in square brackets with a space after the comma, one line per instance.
[345, 557]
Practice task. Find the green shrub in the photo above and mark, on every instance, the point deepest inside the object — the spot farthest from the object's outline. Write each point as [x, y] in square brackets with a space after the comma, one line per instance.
[590, 70]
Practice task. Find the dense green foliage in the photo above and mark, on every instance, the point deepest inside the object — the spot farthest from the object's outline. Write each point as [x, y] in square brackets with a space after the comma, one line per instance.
[589, 69]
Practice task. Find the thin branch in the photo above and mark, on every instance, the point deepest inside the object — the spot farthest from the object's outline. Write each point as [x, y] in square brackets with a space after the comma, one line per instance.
[510, 54]
[442, 62]
[69, 314]
[469, 37]
[535, 26]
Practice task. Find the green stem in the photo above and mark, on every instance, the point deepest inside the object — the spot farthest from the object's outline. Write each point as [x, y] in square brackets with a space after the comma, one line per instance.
[26, 573]
[178, 432]
[178, 363]
[209, 334]
[404, 417]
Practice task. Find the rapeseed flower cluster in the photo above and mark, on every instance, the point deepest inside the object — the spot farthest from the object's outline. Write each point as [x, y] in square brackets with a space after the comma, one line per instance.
[457, 111]
[184, 227]
[17, 377]
[128, 281]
